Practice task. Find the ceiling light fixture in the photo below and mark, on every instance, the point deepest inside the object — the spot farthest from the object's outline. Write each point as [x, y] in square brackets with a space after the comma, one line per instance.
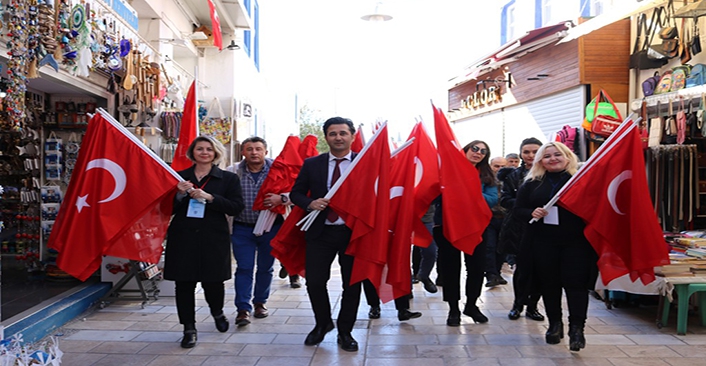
[377, 16]
[233, 46]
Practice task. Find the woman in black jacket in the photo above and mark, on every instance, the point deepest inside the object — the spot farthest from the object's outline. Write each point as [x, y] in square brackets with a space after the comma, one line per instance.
[512, 229]
[562, 258]
[198, 239]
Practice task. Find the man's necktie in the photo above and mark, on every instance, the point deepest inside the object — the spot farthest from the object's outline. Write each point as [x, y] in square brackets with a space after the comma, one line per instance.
[332, 216]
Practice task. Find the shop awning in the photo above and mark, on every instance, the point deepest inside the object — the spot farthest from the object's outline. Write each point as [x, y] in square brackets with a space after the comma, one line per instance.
[622, 10]
[511, 51]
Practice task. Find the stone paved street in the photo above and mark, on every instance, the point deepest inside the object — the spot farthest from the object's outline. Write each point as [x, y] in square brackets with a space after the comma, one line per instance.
[125, 334]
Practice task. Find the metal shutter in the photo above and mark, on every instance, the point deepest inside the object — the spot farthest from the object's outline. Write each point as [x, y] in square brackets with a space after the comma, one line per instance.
[487, 127]
[554, 111]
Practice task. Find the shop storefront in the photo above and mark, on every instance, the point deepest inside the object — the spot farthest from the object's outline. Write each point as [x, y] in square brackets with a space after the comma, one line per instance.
[537, 85]
[61, 62]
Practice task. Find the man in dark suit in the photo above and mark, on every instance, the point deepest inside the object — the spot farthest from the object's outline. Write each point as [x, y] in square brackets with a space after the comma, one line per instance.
[328, 236]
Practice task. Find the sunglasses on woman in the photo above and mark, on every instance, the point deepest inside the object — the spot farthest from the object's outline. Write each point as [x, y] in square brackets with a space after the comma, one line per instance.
[476, 149]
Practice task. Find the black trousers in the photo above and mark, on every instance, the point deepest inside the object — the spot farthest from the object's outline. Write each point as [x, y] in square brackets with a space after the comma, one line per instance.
[570, 266]
[450, 263]
[320, 254]
[214, 292]
[521, 296]
[372, 298]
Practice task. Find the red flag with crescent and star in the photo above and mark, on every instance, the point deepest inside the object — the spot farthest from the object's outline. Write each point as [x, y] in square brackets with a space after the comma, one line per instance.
[363, 201]
[283, 173]
[289, 245]
[188, 131]
[401, 222]
[118, 203]
[426, 182]
[358, 141]
[612, 197]
[307, 148]
[216, 25]
[465, 213]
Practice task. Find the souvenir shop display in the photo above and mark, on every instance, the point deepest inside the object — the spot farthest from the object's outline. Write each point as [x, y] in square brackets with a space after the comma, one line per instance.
[216, 123]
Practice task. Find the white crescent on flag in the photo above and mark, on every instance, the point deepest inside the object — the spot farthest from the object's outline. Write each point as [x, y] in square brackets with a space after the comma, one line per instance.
[418, 171]
[613, 189]
[396, 191]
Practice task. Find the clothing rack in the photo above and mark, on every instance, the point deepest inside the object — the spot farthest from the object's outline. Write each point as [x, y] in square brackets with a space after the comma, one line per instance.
[673, 178]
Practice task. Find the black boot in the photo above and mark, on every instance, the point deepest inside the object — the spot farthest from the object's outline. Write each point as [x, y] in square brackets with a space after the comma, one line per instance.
[189, 340]
[576, 338]
[454, 318]
[555, 332]
[472, 310]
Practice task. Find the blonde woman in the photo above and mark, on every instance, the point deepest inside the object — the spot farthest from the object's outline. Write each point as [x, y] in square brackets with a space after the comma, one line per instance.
[198, 239]
[562, 258]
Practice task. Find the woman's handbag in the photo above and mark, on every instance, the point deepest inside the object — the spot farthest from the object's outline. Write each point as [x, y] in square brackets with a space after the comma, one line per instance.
[601, 115]
[644, 56]
[695, 43]
[670, 33]
[219, 127]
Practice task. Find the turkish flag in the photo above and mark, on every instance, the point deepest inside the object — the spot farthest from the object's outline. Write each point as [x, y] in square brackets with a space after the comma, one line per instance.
[401, 223]
[426, 181]
[610, 193]
[358, 141]
[283, 173]
[118, 203]
[363, 201]
[289, 245]
[187, 132]
[216, 25]
[307, 148]
[464, 210]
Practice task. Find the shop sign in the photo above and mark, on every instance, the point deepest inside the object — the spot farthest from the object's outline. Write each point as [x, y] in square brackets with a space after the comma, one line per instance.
[125, 11]
[482, 98]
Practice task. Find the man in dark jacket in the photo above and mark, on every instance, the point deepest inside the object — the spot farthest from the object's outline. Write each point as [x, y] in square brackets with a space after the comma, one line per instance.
[328, 236]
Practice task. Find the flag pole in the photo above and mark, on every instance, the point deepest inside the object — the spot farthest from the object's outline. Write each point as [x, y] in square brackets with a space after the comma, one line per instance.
[196, 99]
[402, 147]
[627, 126]
[110, 119]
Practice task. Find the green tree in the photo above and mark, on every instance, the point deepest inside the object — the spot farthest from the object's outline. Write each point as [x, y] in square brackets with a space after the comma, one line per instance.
[311, 122]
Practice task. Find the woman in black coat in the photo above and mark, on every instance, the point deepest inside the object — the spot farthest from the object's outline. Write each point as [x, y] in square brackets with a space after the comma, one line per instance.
[562, 258]
[198, 239]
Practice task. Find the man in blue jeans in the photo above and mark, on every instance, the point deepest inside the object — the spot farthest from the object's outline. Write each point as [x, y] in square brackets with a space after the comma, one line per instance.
[248, 247]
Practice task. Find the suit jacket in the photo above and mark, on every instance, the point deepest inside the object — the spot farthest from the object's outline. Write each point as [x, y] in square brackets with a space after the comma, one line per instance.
[310, 185]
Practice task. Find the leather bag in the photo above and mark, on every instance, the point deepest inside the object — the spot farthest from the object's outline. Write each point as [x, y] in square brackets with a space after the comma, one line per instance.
[669, 33]
[644, 55]
[695, 44]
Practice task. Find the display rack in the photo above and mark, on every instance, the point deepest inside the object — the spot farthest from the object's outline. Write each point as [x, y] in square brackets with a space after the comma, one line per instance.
[147, 277]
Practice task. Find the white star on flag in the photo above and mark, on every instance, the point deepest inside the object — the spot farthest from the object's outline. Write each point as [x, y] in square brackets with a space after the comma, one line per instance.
[81, 202]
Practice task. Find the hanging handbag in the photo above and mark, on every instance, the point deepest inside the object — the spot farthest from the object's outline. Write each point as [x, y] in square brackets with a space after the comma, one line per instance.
[605, 125]
[219, 127]
[684, 48]
[644, 56]
[602, 104]
[644, 133]
[695, 43]
[655, 134]
[669, 34]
